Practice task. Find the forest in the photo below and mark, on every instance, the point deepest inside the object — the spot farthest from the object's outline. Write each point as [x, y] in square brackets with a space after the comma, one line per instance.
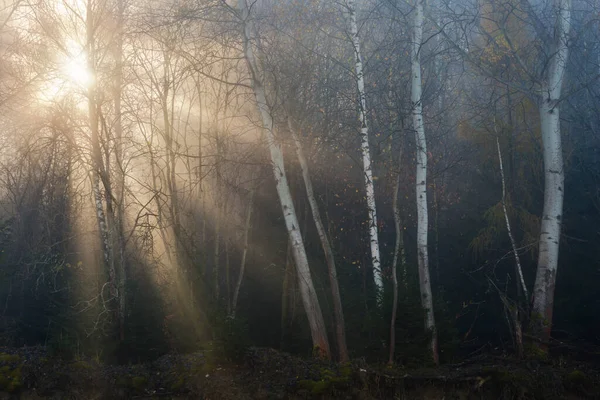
[404, 183]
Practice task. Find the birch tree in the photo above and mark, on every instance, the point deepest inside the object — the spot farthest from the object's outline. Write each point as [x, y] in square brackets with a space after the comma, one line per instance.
[307, 290]
[519, 270]
[103, 195]
[421, 179]
[554, 176]
[539, 54]
[338, 312]
[365, 150]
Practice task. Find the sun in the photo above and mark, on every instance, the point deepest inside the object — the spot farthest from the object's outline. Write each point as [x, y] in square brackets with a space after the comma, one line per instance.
[74, 65]
[71, 75]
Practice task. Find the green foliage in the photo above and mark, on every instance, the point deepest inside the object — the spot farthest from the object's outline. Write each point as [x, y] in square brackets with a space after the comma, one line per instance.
[139, 382]
[11, 379]
[329, 381]
[495, 226]
[134, 384]
[536, 352]
[577, 381]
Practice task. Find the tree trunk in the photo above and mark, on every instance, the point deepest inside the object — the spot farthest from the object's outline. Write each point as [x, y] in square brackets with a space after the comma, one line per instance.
[340, 329]
[513, 243]
[219, 216]
[436, 234]
[543, 292]
[287, 290]
[307, 290]
[120, 185]
[421, 181]
[514, 313]
[366, 154]
[398, 257]
[99, 173]
[247, 226]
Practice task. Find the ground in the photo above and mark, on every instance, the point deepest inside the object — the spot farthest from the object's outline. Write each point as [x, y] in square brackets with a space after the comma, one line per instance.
[30, 373]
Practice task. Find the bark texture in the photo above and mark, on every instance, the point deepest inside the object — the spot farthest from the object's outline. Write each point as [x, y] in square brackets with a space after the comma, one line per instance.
[100, 178]
[307, 290]
[338, 311]
[421, 180]
[366, 152]
[543, 291]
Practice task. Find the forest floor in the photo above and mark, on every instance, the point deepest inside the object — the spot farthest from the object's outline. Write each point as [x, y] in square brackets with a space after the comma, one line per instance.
[30, 373]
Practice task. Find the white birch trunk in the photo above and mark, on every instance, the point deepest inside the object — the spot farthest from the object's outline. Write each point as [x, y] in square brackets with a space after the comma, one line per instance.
[421, 180]
[366, 153]
[338, 311]
[101, 218]
[307, 290]
[543, 291]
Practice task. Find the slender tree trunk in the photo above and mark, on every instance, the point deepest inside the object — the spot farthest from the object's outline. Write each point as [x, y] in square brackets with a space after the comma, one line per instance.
[340, 329]
[436, 233]
[217, 248]
[287, 290]
[247, 226]
[307, 290]
[513, 243]
[170, 235]
[398, 257]
[99, 170]
[201, 194]
[161, 219]
[220, 214]
[227, 277]
[120, 187]
[543, 292]
[366, 154]
[421, 181]
[203, 241]
[514, 313]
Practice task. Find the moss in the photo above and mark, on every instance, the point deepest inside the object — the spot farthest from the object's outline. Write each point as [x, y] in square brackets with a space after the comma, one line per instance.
[81, 365]
[11, 378]
[536, 352]
[315, 387]
[139, 382]
[577, 380]
[319, 353]
[134, 384]
[178, 384]
[506, 375]
[326, 373]
[123, 381]
[9, 358]
[329, 381]
[346, 370]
